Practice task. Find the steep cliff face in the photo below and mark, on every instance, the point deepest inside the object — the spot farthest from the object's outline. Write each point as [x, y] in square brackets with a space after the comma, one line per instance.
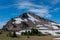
[29, 20]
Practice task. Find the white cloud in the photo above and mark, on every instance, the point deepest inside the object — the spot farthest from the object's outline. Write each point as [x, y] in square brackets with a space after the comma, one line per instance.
[28, 5]
[23, 5]
[39, 9]
[41, 12]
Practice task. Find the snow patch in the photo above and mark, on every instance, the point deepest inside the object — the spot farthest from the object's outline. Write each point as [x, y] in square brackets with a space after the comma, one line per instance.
[19, 20]
[52, 32]
[32, 18]
[55, 27]
[25, 20]
[53, 24]
[47, 25]
[40, 27]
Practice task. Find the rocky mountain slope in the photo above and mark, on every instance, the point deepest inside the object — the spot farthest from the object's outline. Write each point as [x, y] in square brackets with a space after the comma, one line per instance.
[27, 21]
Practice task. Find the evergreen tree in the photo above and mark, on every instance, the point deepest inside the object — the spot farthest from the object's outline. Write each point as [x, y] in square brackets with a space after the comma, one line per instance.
[34, 31]
[14, 34]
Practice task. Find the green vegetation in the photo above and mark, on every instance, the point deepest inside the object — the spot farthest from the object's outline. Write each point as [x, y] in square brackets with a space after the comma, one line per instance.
[33, 32]
[14, 34]
[58, 32]
[0, 32]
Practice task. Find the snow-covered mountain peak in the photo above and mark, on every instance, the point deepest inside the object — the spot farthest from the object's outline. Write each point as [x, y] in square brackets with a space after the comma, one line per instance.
[29, 20]
[25, 17]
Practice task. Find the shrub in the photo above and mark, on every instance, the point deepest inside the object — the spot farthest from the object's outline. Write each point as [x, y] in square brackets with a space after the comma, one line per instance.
[58, 32]
[0, 32]
[22, 33]
[28, 34]
[25, 33]
[34, 31]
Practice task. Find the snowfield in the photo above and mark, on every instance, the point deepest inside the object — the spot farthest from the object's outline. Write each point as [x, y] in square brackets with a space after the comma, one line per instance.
[44, 30]
[19, 20]
[40, 28]
[32, 18]
[55, 27]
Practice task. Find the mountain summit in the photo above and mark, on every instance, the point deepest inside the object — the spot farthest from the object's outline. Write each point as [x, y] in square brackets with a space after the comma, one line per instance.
[27, 21]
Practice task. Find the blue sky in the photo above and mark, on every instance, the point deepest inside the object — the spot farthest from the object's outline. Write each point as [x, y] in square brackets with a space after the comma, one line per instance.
[49, 9]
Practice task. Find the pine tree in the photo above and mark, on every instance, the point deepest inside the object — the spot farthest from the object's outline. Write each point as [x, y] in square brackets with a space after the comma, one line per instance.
[14, 34]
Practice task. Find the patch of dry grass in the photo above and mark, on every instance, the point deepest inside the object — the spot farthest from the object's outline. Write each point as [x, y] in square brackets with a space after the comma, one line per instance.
[4, 36]
[36, 38]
